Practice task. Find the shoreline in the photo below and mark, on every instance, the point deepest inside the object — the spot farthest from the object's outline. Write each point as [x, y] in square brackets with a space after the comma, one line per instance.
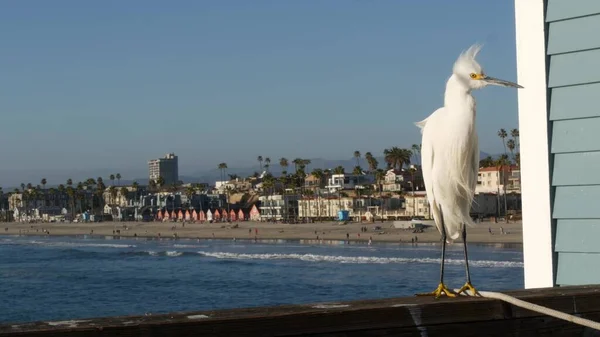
[326, 232]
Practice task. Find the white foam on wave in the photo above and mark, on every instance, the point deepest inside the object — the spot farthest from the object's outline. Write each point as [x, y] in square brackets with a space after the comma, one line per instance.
[189, 246]
[359, 259]
[80, 244]
[174, 253]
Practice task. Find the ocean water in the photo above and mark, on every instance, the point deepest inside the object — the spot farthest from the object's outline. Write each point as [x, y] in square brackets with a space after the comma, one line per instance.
[59, 278]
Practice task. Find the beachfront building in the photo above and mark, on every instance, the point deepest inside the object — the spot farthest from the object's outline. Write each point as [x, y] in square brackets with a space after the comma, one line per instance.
[492, 179]
[278, 207]
[167, 168]
[558, 63]
[393, 181]
[328, 207]
[416, 204]
[338, 182]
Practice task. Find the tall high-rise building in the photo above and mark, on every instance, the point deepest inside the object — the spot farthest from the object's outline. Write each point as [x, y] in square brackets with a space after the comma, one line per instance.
[167, 168]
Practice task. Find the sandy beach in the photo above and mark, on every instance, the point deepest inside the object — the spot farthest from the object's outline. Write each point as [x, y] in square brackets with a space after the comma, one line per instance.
[262, 230]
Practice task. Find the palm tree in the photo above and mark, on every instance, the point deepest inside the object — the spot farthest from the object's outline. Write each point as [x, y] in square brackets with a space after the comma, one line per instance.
[416, 150]
[223, 168]
[487, 162]
[112, 179]
[43, 182]
[260, 161]
[502, 134]
[113, 195]
[297, 162]
[515, 134]
[283, 162]
[135, 186]
[357, 157]
[503, 165]
[69, 182]
[511, 147]
[160, 182]
[124, 192]
[371, 161]
[71, 195]
[397, 157]
[339, 170]
[379, 178]
[118, 176]
[267, 163]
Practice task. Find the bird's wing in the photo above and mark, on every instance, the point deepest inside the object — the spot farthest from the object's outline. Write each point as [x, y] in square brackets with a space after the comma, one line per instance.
[427, 160]
[475, 164]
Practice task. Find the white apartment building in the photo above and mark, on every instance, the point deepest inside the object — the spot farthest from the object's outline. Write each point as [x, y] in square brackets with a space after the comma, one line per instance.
[167, 168]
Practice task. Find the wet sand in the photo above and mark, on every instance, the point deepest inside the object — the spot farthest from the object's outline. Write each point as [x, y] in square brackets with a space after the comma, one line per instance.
[263, 230]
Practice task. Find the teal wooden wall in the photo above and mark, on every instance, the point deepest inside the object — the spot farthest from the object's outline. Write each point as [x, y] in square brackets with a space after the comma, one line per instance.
[573, 51]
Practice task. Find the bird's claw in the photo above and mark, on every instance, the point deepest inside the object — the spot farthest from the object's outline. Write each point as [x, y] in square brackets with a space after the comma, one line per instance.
[441, 290]
[468, 286]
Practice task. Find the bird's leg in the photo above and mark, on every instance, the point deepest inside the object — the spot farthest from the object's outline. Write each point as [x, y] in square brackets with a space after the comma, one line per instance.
[441, 288]
[468, 285]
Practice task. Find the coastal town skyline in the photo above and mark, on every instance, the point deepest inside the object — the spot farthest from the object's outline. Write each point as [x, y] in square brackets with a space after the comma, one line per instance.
[13, 178]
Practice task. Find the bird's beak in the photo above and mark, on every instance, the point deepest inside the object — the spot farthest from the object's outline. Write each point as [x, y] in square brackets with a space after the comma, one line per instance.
[499, 82]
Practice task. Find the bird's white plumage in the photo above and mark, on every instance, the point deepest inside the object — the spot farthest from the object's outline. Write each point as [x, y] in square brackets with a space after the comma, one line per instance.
[450, 148]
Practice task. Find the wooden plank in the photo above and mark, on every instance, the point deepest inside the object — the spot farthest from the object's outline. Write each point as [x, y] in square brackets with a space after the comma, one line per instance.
[574, 68]
[577, 135]
[576, 202]
[579, 101]
[566, 9]
[410, 316]
[577, 236]
[578, 268]
[579, 168]
[574, 35]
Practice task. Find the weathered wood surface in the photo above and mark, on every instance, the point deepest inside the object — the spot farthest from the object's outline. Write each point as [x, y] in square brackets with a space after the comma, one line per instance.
[408, 316]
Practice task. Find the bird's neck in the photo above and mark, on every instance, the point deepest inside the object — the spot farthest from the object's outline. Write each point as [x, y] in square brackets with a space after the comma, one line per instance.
[458, 93]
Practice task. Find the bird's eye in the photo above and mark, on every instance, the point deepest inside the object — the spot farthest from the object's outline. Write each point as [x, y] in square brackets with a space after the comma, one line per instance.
[473, 75]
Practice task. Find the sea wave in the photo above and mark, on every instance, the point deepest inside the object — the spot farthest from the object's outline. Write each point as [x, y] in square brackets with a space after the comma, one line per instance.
[169, 253]
[359, 259]
[80, 244]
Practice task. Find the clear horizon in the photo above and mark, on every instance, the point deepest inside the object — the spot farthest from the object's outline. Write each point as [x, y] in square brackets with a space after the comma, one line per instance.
[114, 84]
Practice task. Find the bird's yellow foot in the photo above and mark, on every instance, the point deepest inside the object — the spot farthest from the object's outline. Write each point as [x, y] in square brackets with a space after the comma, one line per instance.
[468, 286]
[441, 290]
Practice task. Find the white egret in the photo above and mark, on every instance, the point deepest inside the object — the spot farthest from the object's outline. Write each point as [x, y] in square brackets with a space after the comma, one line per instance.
[450, 156]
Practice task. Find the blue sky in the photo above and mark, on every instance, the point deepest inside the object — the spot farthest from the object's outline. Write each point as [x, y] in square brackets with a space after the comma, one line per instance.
[114, 83]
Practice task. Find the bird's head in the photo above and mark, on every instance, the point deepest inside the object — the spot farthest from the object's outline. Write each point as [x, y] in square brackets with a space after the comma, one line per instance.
[471, 74]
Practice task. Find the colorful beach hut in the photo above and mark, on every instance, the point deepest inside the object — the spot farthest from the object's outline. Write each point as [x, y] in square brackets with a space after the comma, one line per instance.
[254, 213]
[241, 216]
[194, 215]
[201, 216]
[188, 216]
[209, 215]
[166, 215]
[180, 215]
[216, 215]
[159, 215]
[232, 215]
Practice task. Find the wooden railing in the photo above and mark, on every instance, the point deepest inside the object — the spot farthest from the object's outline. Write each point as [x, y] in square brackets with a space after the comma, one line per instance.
[408, 316]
